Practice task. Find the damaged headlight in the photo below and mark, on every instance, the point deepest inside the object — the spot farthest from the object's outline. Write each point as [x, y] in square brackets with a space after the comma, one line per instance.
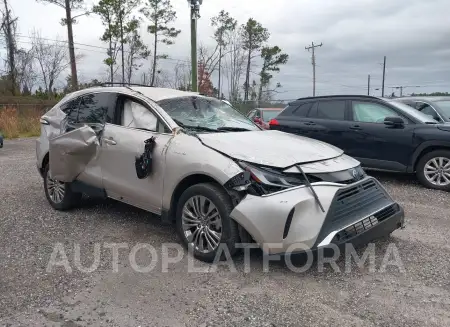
[266, 180]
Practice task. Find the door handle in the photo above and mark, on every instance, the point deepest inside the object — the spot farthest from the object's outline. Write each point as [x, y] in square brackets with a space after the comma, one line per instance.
[110, 141]
[355, 128]
[310, 123]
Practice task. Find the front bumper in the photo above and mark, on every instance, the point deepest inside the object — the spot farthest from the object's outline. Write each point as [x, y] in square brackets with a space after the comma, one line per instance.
[291, 220]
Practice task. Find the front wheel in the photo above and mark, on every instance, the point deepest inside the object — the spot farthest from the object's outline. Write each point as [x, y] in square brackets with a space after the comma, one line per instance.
[59, 194]
[433, 170]
[204, 223]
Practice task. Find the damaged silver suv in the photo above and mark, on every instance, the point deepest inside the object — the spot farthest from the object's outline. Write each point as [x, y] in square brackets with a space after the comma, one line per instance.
[197, 162]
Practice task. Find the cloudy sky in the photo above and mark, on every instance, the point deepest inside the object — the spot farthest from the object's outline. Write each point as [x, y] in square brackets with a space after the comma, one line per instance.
[356, 34]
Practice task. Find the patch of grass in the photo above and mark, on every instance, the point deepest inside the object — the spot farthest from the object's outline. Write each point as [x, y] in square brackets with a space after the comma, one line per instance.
[13, 124]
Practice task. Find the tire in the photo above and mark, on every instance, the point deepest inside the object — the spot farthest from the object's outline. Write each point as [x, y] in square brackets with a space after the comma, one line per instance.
[69, 198]
[223, 205]
[441, 157]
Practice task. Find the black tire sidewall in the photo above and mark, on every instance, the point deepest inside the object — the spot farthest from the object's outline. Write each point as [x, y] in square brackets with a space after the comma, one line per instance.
[421, 165]
[222, 201]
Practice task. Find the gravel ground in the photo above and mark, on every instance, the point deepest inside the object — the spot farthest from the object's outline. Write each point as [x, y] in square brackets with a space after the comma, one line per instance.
[419, 295]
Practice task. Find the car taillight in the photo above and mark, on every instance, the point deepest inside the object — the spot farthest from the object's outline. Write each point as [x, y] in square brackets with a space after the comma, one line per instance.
[273, 122]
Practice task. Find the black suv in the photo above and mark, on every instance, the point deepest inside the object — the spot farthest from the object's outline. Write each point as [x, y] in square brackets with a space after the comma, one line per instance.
[380, 133]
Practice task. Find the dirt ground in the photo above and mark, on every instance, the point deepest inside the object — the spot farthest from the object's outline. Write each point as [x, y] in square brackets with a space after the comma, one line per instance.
[419, 295]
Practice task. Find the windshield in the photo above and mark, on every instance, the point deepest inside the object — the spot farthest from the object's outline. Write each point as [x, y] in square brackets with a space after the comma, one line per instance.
[270, 114]
[413, 112]
[445, 107]
[206, 113]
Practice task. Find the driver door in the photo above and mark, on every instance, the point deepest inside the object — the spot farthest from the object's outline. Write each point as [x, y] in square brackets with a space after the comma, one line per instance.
[378, 145]
[122, 143]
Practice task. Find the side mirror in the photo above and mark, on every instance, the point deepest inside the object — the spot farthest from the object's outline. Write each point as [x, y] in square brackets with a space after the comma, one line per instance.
[394, 121]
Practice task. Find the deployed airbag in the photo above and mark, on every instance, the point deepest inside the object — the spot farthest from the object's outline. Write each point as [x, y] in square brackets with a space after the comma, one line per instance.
[71, 152]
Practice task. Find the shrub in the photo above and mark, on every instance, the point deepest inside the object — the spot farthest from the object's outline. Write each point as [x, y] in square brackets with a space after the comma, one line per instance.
[25, 124]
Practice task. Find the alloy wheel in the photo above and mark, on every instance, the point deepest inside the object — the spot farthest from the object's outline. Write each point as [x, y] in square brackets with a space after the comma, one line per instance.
[437, 171]
[202, 224]
[56, 189]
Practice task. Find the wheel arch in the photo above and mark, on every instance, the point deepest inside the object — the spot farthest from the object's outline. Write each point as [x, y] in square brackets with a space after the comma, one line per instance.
[45, 161]
[426, 148]
[182, 186]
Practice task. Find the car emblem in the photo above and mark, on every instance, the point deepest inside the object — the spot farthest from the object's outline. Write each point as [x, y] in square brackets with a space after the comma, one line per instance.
[355, 174]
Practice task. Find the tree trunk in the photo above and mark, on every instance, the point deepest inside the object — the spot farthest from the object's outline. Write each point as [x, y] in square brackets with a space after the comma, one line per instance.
[247, 76]
[122, 49]
[73, 64]
[11, 51]
[154, 56]
[220, 66]
[111, 66]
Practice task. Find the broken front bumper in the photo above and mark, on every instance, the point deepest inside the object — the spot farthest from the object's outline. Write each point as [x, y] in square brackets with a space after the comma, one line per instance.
[292, 220]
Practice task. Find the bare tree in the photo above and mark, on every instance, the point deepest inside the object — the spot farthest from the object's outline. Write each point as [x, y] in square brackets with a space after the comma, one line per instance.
[26, 74]
[137, 51]
[52, 59]
[8, 27]
[234, 64]
[69, 6]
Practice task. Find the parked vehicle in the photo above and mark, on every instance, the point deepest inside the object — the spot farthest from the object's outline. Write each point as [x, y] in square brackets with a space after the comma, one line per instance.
[197, 162]
[262, 116]
[380, 133]
[436, 107]
[1, 140]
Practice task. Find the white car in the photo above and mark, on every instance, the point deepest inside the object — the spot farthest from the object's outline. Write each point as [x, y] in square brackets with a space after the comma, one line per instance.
[197, 162]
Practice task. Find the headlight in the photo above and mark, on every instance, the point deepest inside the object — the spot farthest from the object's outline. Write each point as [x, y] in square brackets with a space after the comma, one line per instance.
[271, 178]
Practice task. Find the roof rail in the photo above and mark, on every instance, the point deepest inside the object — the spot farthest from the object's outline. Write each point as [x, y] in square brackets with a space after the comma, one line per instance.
[338, 96]
[122, 84]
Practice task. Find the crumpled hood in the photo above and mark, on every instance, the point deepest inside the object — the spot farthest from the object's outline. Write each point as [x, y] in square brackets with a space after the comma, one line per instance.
[270, 148]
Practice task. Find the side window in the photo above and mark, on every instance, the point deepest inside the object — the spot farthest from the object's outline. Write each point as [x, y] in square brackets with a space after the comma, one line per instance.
[369, 112]
[136, 115]
[96, 108]
[297, 109]
[303, 109]
[70, 108]
[428, 110]
[333, 110]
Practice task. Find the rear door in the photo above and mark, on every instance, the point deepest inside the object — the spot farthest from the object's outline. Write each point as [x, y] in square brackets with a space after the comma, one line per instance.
[74, 154]
[329, 121]
[378, 145]
[293, 119]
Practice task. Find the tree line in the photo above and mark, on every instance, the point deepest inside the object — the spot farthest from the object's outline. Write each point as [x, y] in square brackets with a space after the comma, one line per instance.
[231, 59]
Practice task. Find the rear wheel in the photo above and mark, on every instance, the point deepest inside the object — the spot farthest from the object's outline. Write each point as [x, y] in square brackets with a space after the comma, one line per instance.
[433, 170]
[59, 194]
[204, 223]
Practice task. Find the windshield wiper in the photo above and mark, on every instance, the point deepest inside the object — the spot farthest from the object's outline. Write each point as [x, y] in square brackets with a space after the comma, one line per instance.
[233, 129]
[197, 127]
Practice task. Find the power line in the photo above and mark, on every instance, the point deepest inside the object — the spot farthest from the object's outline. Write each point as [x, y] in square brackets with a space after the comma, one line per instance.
[313, 61]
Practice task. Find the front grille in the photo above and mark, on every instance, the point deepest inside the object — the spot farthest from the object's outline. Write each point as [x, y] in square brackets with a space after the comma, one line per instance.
[386, 213]
[366, 195]
[365, 224]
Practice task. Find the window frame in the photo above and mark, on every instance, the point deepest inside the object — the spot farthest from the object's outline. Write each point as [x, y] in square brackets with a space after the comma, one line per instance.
[406, 119]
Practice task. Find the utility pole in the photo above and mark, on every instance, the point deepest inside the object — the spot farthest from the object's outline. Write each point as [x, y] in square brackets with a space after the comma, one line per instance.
[7, 27]
[368, 85]
[313, 61]
[384, 75]
[401, 87]
[195, 14]
[73, 64]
